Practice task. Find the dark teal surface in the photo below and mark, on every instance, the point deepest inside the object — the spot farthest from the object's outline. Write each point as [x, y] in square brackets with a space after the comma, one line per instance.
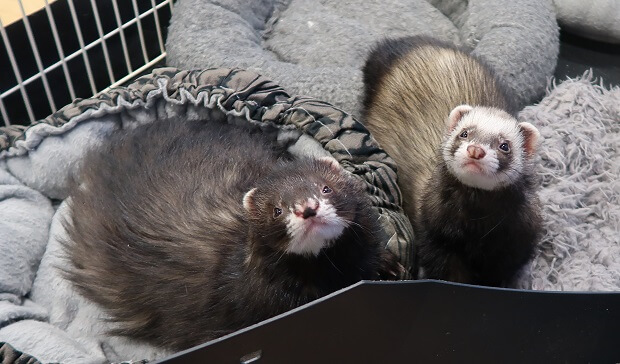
[579, 54]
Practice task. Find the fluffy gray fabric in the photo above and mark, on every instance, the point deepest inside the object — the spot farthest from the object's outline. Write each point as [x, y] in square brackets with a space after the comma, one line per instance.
[317, 47]
[579, 122]
[40, 313]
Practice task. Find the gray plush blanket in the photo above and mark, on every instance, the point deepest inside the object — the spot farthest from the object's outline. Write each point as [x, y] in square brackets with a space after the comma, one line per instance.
[579, 122]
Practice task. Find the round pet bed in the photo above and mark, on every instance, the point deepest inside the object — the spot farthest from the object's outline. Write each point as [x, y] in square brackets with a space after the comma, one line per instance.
[40, 314]
[317, 47]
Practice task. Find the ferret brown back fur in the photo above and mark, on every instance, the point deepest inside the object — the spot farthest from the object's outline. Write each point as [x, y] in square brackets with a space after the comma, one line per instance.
[464, 161]
[159, 235]
[419, 81]
[153, 223]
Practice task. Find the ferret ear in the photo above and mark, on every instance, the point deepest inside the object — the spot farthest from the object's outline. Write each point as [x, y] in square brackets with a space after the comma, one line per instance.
[331, 162]
[531, 137]
[248, 200]
[456, 115]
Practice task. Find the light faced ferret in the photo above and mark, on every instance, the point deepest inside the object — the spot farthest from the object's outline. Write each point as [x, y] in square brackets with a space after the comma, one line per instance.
[465, 164]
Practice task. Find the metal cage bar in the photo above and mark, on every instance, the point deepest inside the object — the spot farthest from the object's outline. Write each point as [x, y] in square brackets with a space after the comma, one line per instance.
[84, 53]
[37, 57]
[18, 76]
[140, 31]
[160, 39]
[3, 113]
[117, 15]
[106, 55]
[61, 53]
[68, 72]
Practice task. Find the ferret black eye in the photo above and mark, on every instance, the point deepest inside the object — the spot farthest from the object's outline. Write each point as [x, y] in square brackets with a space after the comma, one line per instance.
[504, 147]
[277, 212]
[326, 190]
[463, 134]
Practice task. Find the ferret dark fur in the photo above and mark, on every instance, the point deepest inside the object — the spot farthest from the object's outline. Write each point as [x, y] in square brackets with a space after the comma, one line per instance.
[466, 172]
[182, 231]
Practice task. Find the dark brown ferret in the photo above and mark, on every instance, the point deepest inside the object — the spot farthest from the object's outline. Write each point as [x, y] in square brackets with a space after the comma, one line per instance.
[465, 164]
[184, 231]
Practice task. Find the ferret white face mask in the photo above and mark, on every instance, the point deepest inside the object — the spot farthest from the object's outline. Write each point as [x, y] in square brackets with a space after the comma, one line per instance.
[313, 225]
[487, 148]
[312, 222]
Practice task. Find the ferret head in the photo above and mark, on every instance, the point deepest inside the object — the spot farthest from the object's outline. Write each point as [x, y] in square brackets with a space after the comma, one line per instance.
[487, 148]
[303, 207]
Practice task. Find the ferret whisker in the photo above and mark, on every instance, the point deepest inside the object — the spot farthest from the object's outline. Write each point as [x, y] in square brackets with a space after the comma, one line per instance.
[493, 228]
[275, 232]
[344, 147]
[480, 218]
[353, 223]
[280, 257]
[330, 261]
[358, 240]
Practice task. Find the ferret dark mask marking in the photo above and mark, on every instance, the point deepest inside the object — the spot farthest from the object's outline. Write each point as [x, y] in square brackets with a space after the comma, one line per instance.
[477, 160]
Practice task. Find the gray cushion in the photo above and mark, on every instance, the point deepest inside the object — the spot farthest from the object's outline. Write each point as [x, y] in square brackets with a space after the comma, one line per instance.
[594, 19]
[317, 47]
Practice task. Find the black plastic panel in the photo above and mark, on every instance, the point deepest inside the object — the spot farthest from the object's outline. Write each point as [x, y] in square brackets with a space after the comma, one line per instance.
[578, 54]
[430, 322]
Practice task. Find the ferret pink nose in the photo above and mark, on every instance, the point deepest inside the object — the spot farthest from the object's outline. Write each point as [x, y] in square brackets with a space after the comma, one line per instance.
[307, 209]
[475, 152]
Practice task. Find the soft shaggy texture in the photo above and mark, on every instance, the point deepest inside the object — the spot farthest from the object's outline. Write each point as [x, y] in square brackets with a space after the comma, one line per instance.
[579, 122]
[317, 47]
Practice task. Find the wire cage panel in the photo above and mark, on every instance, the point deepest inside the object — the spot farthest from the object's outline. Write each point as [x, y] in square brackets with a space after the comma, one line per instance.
[74, 49]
